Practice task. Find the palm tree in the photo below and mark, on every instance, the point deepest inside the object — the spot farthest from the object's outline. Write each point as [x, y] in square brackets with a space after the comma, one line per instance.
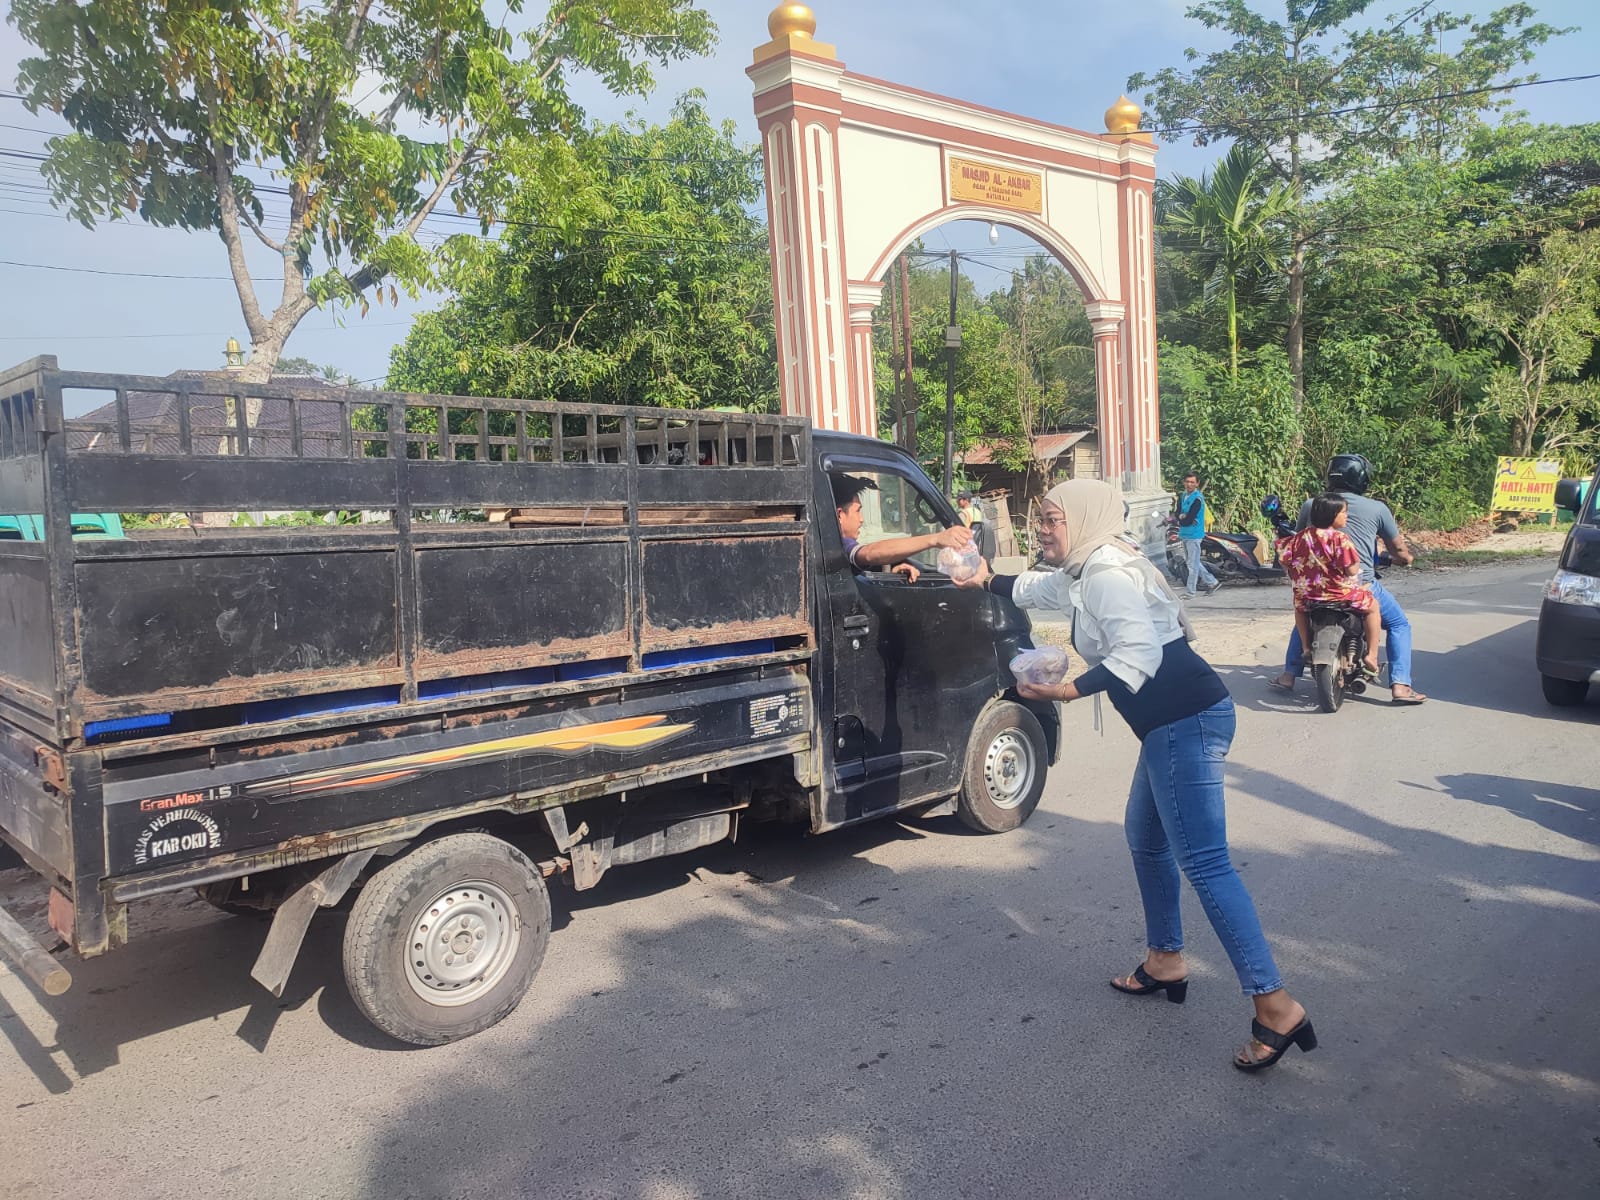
[1233, 221]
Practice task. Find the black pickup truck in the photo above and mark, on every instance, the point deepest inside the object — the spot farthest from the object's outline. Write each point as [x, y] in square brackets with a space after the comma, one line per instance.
[540, 641]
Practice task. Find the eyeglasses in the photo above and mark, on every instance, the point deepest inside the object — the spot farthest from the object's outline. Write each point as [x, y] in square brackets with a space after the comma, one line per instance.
[1046, 524]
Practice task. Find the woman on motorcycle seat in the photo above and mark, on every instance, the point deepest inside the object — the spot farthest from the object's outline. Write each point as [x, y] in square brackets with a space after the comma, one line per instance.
[1325, 569]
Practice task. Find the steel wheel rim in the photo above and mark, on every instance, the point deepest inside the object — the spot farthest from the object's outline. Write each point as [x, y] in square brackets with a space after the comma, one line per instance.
[462, 943]
[1008, 769]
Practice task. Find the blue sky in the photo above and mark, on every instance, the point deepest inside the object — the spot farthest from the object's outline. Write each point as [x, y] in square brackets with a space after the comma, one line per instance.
[1061, 62]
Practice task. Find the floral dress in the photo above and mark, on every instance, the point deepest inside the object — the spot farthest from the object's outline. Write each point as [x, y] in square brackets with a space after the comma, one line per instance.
[1324, 568]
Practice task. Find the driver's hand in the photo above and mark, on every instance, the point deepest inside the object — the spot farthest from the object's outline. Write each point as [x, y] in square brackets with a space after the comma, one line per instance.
[1403, 557]
[909, 570]
[953, 538]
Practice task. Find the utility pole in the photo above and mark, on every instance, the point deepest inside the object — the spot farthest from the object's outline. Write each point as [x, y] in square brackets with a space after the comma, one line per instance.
[952, 343]
[909, 433]
[895, 363]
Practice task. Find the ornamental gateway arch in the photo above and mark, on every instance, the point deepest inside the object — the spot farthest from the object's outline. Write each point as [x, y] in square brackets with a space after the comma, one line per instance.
[857, 168]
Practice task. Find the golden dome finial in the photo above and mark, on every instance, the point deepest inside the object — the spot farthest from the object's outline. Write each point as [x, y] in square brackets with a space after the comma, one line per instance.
[1123, 117]
[232, 355]
[797, 19]
[791, 27]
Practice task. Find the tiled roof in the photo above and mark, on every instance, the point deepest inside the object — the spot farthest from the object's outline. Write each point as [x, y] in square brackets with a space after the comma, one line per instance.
[1046, 448]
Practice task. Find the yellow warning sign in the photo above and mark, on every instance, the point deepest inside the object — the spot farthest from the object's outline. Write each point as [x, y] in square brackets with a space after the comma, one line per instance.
[1525, 485]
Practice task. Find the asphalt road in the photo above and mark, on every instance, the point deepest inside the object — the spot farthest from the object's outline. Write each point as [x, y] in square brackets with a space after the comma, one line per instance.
[908, 1010]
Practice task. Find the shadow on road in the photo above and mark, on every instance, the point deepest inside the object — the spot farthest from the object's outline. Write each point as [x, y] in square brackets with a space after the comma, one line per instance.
[1497, 672]
[1565, 809]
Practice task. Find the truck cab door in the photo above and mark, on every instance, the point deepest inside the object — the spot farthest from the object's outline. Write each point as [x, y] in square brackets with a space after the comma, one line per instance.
[911, 663]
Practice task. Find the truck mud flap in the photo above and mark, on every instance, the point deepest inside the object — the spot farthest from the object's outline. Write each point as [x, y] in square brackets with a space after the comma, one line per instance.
[293, 918]
[32, 959]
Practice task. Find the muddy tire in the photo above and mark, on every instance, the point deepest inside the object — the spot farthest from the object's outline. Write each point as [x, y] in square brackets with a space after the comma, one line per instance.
[444, 942]
[1006, 762]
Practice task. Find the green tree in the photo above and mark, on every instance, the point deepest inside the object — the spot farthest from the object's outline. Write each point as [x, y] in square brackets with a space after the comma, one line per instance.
[989, 374]
[1547, 315]
[1232, 221]
[1237, 432]
[328, 372]
[1325, 101]
[363, 117]
[655, 288]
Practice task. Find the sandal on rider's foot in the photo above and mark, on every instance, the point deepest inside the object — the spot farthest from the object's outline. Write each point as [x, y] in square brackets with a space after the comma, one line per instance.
[1412, 696]
[1177, 989]
[1277, 684]
[1301, 1035]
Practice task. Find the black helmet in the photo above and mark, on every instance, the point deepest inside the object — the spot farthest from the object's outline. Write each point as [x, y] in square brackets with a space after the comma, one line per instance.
[1272, 506]
[1349, 473]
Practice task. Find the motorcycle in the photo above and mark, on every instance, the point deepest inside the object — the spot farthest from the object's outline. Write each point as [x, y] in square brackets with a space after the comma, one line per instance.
[1338, 645]
[1231, 557]
[1338, 632]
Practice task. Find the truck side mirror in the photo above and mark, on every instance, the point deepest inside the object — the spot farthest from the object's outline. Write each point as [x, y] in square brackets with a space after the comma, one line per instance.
[1569, 494]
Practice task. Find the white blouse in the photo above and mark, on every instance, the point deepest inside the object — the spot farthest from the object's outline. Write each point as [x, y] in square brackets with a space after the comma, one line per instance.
[1120, 617]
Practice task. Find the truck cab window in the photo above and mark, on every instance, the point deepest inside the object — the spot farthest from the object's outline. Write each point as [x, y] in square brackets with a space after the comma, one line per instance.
[895, 508]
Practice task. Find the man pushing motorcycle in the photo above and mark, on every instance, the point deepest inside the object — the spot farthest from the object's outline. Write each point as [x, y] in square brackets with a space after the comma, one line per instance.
[1369, 521]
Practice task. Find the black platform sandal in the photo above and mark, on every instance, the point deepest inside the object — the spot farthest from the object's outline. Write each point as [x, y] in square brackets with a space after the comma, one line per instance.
[1301, 1035]
[1176, 989]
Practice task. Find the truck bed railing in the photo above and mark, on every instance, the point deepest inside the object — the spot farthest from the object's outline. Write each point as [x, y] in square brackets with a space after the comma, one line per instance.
[634, 535]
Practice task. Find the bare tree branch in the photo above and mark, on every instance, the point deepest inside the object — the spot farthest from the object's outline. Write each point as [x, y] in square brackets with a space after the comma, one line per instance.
[222, 176]
[255, 227]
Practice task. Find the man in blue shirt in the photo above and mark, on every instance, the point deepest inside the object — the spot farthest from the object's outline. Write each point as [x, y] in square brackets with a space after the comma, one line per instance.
[1191, 533]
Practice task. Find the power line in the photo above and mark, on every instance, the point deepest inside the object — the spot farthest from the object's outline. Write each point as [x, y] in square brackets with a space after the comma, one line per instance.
[1298, 119]
[1196, 127]
[109, 337]
[6, 262]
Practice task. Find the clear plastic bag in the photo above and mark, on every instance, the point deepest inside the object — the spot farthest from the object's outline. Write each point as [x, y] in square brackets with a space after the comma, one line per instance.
[961, 565]
[1046, 665]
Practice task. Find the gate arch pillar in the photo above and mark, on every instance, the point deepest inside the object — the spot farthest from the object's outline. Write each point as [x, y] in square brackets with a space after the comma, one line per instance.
[1106, 319]
[864, 298]
[798, 107]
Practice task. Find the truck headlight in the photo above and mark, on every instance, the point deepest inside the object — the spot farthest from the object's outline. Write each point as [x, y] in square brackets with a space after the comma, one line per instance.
[1569, 587]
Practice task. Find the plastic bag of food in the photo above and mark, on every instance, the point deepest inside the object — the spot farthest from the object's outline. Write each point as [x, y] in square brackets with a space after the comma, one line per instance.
[960, 565]
[1046, 665]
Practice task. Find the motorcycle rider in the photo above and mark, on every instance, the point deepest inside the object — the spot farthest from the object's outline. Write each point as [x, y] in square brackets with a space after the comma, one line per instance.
[1369, 521]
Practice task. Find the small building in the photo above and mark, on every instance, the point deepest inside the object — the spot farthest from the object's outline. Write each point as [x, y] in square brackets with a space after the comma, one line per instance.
[1069, 453]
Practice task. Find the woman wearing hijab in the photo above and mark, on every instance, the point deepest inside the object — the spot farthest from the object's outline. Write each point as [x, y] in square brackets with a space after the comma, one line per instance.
[1130, 628]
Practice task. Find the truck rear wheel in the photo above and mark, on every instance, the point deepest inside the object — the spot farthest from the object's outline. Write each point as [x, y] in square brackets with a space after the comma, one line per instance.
[445, 942]
[1563, 693]
[1005, 769]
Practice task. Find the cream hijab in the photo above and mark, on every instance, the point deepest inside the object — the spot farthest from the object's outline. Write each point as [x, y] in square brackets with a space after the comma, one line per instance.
[1094, 519]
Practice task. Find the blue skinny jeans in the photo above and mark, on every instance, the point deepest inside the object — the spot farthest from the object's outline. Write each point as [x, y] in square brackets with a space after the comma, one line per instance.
[1176, 821]
[1395, 623]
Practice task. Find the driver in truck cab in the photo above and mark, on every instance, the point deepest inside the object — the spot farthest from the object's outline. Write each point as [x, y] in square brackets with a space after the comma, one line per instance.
[892, 553]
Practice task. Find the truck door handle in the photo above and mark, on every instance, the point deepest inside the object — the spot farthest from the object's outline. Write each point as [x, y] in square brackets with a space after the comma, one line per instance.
[857, 623]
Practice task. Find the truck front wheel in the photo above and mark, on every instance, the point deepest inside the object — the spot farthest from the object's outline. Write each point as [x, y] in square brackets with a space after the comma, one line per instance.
[444, 942]
[1005, 769]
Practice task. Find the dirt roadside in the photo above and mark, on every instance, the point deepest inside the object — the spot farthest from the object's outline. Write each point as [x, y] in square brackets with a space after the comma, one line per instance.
[1249, 624]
